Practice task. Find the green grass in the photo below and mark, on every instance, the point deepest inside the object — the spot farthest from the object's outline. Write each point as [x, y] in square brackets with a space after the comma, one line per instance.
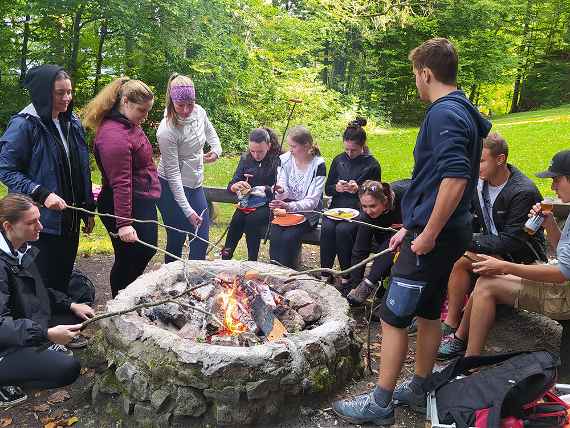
[533, 137]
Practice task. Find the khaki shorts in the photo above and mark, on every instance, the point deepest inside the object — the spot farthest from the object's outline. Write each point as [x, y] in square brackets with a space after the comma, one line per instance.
[546, 298]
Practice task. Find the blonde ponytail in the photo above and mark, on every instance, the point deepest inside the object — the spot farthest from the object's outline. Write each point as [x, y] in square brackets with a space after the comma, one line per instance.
[136, 91]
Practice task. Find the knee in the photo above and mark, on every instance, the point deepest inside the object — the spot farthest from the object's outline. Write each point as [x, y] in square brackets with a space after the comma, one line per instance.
[485, 288]
[344, 232]
[463, 265]
[67, 371]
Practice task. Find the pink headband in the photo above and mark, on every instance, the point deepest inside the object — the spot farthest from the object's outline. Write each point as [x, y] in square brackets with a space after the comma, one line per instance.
[183, 93]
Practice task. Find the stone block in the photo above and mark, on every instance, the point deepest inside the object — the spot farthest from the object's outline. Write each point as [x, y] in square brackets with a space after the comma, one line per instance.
[189, 402]
[229, 394]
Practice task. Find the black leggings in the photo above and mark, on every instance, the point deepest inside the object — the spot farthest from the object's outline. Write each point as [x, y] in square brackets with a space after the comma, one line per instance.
[38, 368]
[285, 241]
[253, 224]
[337, 239]
[56, 258]
[380, 266]
[131, 259]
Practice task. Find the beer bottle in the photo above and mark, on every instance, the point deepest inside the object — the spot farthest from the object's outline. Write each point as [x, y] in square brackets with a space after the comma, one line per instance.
[533, 223]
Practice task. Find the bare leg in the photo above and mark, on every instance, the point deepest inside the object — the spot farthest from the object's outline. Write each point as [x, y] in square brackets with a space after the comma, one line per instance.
[429, 336]
[392, 355]
[489, 292]
[458, 286]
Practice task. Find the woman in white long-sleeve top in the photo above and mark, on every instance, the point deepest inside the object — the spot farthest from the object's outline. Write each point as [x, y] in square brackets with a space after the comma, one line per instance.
[182, 135]
[300, 184]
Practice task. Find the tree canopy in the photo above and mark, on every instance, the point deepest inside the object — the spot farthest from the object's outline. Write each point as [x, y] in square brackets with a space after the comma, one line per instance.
[248, 57]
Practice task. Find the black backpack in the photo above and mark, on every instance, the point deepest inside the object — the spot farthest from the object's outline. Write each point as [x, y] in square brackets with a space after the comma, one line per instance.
[507, 385]
[81, 289]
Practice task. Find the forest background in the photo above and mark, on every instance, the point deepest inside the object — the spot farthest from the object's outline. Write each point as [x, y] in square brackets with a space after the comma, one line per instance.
[248, 57]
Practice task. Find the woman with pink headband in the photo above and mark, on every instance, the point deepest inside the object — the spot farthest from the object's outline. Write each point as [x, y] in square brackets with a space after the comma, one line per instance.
[182, 135]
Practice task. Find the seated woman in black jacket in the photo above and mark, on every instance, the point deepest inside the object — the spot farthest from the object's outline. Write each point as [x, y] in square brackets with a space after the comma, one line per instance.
[252, 182]
[348, 171]
[380, 206]
[32, 347]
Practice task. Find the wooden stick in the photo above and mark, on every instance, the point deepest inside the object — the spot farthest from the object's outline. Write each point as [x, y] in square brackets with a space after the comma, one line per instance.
[150, 305]
[333, 272]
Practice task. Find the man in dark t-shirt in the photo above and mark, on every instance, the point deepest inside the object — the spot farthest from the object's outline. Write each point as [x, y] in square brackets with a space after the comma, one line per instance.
[436, 232]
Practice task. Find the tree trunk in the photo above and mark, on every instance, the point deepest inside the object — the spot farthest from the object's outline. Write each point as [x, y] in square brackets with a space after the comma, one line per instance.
[75, 39]
[99, 63]
[24, 50]
[516, 91]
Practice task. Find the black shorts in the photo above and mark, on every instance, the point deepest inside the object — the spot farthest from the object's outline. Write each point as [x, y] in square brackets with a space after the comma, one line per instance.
[418, 284]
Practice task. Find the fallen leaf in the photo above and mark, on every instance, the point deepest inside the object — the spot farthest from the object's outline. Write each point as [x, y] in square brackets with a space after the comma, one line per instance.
[6, 421]
[41, 408]
[46, 420]
[70, 421]
[58, 397]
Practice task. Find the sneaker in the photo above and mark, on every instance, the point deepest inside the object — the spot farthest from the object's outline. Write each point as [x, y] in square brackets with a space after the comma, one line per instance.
[344, 287]
[226, 253]
[78, 342]
[413, 327]
[60, 348]
[363, 409]
[11, 395]
[447, 330]
[405, 395]
[450, 347]
[358, 295]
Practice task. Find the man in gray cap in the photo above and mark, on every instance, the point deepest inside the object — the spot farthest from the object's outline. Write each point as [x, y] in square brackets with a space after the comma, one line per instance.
[540, 288]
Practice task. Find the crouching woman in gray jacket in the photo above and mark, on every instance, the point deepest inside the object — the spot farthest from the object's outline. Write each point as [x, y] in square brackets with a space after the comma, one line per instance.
[32, 345]
[181, 136]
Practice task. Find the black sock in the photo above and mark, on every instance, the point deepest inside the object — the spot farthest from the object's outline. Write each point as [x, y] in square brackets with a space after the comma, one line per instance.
[382, 396]
[417, 384]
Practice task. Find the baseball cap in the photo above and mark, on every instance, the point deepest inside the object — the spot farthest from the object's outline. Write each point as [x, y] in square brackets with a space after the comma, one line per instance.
[559, 165]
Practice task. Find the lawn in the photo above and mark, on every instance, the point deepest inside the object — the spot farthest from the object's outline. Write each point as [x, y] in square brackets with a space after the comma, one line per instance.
[533, 139]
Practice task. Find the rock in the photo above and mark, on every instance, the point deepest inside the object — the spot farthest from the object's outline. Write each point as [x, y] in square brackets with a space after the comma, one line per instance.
[189, 403]
[189, 331]
[292, 321]
[229, 394]
[159, 400]
[311, 312]
[298, 298]
[167, 313]
[125, 372]
[128, 406]
[259, 389]
[139, 387]
[143, 412]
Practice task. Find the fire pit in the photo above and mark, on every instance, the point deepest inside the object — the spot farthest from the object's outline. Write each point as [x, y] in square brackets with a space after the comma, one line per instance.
[244, 348]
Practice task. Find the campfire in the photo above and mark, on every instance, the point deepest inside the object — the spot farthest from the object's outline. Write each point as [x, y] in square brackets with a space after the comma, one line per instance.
[234, 310]
[246, 346]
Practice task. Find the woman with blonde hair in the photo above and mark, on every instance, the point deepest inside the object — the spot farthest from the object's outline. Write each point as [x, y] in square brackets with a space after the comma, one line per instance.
[130, 186]
[299, 189]
[182, 135]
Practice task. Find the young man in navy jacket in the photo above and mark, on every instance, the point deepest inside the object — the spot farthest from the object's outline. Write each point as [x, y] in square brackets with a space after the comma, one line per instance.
[436, 232]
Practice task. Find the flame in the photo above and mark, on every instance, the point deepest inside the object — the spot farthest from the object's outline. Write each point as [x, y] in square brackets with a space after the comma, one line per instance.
[233, 326]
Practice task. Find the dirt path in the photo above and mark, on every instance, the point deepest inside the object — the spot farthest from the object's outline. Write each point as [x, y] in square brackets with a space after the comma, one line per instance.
[514, 331]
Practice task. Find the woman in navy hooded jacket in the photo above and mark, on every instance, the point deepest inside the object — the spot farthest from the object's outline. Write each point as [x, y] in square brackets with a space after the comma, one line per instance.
[43, 154]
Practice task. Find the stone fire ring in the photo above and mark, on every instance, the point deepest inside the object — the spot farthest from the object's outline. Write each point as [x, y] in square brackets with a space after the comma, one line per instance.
[164, 380]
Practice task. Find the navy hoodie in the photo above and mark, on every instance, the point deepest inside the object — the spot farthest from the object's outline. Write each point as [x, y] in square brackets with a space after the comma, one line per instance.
[449, 145]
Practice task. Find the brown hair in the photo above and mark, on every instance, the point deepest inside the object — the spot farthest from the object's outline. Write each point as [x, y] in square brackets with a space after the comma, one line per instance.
[61, 75]
[302, 136]
[380, 191]
[136, 92]
[268, 136]
[355, 132]
[175, 79]
[13, 206]
[440, 56]
[496, 144]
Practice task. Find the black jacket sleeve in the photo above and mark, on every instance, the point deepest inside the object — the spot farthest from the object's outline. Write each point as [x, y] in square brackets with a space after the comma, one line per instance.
[238, 175]
[372, 172]
[513, 237]
[59, 301]
[332, 179]
[16, 332]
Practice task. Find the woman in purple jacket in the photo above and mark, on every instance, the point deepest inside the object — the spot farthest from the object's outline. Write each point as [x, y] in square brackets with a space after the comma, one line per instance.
[130, 186]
